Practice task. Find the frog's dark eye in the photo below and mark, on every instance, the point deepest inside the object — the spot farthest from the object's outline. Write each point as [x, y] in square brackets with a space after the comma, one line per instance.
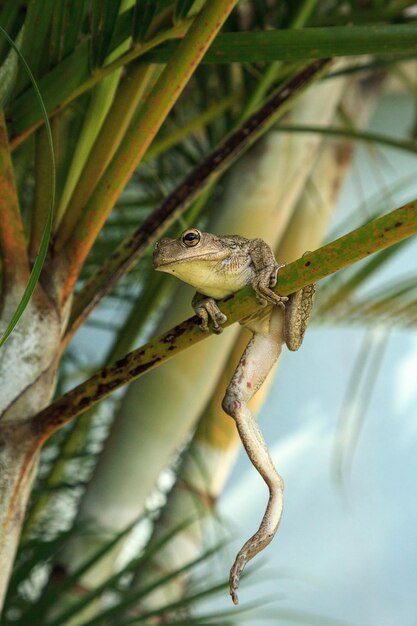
[191, 237]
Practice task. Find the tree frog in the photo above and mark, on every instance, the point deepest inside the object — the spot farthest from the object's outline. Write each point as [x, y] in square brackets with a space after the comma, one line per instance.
[217, 266]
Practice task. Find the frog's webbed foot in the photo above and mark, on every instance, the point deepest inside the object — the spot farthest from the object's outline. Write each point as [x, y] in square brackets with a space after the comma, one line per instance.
[297, 315]
[255, 544]
[267, 529]
[263, 284]
[209, 313]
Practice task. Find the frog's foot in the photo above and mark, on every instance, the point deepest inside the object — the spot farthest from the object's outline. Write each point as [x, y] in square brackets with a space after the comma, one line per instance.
[263, 283]
[235, 405]
[210, 315]
[255, 544]
[297, 315]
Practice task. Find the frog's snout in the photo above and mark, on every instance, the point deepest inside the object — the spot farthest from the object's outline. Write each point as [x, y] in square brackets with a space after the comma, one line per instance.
[161, 242]
[160, 252]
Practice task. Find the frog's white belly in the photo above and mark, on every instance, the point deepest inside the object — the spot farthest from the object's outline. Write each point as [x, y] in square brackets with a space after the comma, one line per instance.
[216, 281]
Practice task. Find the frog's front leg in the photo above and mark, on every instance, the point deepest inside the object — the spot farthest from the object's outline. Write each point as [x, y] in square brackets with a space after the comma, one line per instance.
[260, 355]
[209, 313]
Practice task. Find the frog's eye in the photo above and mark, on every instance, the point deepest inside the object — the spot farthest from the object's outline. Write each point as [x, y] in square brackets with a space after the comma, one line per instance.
[191, 237]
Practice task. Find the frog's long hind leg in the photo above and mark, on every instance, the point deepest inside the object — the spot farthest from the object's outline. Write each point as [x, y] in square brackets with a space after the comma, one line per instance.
[260, 355]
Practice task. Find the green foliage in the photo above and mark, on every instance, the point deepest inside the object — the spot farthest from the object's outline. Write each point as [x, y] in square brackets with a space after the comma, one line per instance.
[182, 8]
[35, 31]
[145, 11]
[8, 20]
[121, 586]
[103, 23]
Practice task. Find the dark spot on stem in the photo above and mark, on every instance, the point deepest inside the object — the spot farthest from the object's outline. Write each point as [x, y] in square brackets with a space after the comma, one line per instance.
[143, 367]
[178, 331]
[107, 387]
[84, 402]
[121, 363]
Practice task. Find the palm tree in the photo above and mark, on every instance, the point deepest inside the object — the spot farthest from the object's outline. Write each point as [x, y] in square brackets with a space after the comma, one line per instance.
[105, 106]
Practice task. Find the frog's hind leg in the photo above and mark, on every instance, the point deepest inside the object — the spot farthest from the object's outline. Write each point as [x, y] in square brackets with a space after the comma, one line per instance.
[260, 355]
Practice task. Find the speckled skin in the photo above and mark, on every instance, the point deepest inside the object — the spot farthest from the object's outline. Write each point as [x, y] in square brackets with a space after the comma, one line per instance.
[218, 266]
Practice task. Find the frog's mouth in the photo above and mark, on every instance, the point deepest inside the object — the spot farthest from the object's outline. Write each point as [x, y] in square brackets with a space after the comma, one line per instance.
[159, 263]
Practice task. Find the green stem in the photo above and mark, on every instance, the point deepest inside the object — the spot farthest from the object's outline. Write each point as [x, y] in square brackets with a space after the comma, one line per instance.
[359, 244]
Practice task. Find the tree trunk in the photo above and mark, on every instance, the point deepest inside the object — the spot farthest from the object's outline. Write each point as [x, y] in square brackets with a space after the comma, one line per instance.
[28, 363]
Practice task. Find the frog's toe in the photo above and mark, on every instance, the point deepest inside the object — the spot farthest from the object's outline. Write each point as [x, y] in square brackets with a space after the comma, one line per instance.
[220, 317]
[235, 572]
[267, 296]
[217, 319]
[260, 298]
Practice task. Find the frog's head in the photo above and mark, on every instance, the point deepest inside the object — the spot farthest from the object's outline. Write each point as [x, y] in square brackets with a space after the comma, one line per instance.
[198, 258]
[192, 245]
